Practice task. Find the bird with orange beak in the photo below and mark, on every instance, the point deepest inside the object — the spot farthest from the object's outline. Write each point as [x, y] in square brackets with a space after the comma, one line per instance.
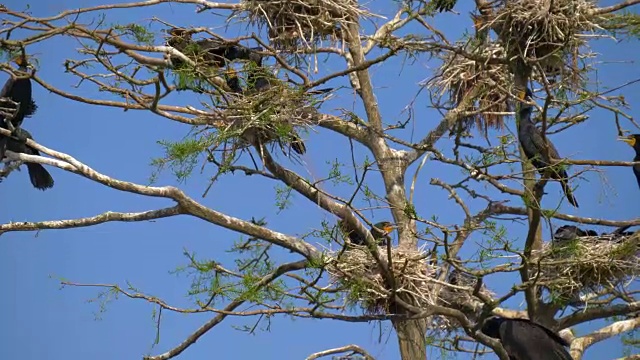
[634, 141]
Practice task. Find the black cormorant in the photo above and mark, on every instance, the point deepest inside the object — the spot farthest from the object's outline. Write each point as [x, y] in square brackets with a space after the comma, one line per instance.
[215, 53]
[444, 5]
[525, 340]
[533, 145]
[634, 141]
[380, 232]
[19, 91]
[571, 232]
[39, 176]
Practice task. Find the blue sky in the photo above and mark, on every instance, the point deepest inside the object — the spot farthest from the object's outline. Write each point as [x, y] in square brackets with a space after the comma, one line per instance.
[41, 320]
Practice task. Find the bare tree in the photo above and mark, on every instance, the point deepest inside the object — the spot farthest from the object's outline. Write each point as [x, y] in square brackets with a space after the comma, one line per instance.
[432, 297]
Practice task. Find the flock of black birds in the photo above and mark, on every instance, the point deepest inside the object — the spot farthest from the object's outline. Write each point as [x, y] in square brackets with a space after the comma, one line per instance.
[522, 339]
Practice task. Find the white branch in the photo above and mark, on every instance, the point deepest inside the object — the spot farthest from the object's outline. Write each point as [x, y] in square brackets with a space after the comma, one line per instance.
[579, 345]
[355, 349]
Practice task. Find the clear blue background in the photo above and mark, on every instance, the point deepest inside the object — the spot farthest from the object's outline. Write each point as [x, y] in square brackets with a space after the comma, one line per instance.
[38, 320]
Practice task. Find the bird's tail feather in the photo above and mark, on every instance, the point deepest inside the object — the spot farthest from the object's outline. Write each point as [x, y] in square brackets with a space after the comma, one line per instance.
[298, 146]
[40, 177]
[567, 191]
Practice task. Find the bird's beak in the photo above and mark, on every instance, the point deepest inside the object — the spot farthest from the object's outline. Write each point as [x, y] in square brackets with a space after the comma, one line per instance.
[522, 94]
[628, 139]
[390, 228]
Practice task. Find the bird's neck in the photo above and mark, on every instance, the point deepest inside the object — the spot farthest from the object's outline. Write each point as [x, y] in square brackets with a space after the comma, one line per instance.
[525, 114]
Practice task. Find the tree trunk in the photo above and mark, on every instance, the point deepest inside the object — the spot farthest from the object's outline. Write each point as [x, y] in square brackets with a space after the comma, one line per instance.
[412, 338]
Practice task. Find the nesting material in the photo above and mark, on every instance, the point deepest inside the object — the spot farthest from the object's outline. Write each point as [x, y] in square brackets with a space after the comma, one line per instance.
[589, 263]
[302, 23]
[357, 270]
[276, 115]
[547, 32]
[548, 36]
[487, 82]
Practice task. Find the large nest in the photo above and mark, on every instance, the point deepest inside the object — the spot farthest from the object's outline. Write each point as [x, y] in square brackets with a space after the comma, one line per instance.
[485, 81]
[589, 264]
[547, 32]
[303, 23]
[274, 115]
[357, 270]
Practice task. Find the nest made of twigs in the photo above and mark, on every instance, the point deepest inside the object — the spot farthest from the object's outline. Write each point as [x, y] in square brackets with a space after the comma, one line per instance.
[589, 263]
[547, 32]
[277, 114]
[302, 23]
[487, 82]
[357, 270]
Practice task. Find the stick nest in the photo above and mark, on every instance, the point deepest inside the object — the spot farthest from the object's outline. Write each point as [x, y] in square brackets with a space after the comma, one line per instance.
[489, 82]
[540, 27]
[548, 39]
[274, 115]
[293, 24]
[357, 270]
[589, 263]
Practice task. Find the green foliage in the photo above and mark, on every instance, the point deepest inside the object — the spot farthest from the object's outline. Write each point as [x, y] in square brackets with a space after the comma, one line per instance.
[283, 197]
[181, 157]
[139, 33]
[625, 23]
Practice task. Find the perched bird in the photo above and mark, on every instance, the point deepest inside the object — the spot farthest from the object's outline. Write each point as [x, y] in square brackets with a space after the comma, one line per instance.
[39, 176]
[526, 340]
[619, 235]
[621, 231]
[444, 5]
[19, 91]
[380, 232]
[571, 232]
[539, 151]
[634, 141]
[213, 52]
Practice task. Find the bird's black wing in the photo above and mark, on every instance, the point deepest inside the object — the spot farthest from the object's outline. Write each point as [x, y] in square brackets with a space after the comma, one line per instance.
[6, 89]
[444, 5]
[636, 170]
[526, 340]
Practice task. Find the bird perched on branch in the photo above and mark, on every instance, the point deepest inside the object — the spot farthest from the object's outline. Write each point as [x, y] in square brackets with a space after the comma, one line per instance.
[525, 340]
[540, 150]
[213, 52]
[18, 90]
[39, 176]
[634, 141]
[380, 232]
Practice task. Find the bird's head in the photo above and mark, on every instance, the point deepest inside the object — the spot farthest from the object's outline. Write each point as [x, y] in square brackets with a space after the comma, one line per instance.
[22, 61]
[491, 327]
[385, 226]
[178, 32]
[633, 140]
[525, 94]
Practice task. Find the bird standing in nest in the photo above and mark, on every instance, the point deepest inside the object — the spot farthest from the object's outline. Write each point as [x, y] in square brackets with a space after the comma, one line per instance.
[380, 232]
[540, 150]
[525, 340]
[213, 52]
[634, 142]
